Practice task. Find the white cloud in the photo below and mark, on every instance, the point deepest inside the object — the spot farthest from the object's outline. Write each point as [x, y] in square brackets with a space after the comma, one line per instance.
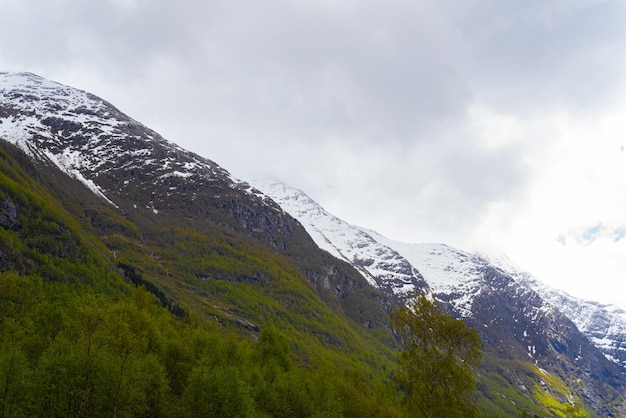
[568, 225]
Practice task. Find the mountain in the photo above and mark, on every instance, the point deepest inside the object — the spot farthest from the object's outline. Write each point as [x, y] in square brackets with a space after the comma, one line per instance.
[380, 265]
[449, 271]
[603, 324]
[85, 328]
[516, 319]
[94, 201]
[154, 183]
[91, 197]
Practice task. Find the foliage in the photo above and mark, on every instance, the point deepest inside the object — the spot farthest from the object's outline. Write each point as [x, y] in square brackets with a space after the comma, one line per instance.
[42, 237]
[438, 361]
[103, 356]
[539, 393]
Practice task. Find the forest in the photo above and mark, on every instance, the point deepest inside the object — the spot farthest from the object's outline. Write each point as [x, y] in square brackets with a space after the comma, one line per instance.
[68, 351]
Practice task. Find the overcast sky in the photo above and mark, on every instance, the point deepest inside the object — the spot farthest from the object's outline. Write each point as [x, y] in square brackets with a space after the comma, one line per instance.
[490, 125]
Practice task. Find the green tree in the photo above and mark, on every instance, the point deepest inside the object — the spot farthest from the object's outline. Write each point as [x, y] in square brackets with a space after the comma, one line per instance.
[272, 351]
[217, 392]
[575, 411]
[438, 361]
[14, 372]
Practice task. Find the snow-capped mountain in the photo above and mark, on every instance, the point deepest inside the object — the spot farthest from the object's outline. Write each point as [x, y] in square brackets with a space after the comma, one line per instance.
[86, 137]
[454, 276]
[75, 137]
[603, 324]
[159, 187]
[379, 264]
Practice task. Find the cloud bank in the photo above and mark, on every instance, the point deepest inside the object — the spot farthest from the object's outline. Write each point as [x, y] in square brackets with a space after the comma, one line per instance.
[495, 125]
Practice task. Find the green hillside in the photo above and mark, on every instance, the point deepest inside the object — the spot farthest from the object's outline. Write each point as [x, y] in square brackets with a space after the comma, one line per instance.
[105, 311]
[102, 318]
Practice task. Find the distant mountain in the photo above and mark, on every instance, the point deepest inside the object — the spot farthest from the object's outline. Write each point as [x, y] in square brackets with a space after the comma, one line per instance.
[380, 265]
[515, 316]
[603, 324]
[127, 207]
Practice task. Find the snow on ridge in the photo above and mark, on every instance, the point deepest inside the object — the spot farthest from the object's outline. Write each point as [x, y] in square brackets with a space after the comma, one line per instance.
[36, 93]
[82, 134]
[603, 324]
[29, 100]
[378, 264]
[177, 173]
[315, 219]
[445, 269]
[68, 162]
[15, 80]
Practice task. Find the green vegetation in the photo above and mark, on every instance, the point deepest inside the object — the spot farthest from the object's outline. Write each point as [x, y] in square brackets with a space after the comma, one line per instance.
[102, 318]
[438, 362]
[112, 313]
[69, 352]
[511, 386]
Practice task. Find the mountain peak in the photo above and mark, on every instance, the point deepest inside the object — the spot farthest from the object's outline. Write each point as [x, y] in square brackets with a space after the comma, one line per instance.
[512, 318]
[85, 136]
[380, 265]
[21, 78]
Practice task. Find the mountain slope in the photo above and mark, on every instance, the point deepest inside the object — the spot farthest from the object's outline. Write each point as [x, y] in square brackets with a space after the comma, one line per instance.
[214, 248]
[154, 182]
[382, 266]
[514, 320]
[180, 225]
[526, 337]
[78, 340]
[604, 325]
[40, 236]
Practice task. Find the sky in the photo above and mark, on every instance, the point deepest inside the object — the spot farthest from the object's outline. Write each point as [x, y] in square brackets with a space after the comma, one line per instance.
[496, 126]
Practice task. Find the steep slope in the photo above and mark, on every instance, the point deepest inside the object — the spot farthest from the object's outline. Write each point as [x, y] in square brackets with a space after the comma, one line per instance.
[214, 247]
[528, 341]
[77, 340]
[40, 236]
[382, 266]
[603, 324]
[183, 227]
[516, 321]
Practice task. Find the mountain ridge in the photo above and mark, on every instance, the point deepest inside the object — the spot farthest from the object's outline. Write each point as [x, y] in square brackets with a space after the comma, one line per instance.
[380, 265]
[604, 324]
[183, 226]
[150, 181]
[486, 295]
[581, 312]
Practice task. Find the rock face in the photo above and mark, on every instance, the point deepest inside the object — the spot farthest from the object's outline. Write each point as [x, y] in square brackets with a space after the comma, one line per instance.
[112, 154]
[127, 164]
[604, 325]
[8, 214]
[514, 320]
[379, 264]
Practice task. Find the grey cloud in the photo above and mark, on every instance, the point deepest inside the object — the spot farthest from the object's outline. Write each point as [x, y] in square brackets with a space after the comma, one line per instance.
[397, 67]
[269, 83]
[540, 55]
